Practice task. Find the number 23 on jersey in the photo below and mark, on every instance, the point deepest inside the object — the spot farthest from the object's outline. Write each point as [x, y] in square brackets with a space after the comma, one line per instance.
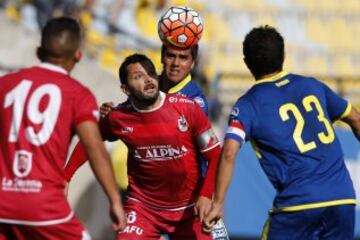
[308, 102]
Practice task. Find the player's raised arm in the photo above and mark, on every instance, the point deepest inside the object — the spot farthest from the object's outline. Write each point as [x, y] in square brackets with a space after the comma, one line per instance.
[101, 165]
[353, 119]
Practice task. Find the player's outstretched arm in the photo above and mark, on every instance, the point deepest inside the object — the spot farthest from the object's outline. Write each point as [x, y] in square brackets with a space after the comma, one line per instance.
[223, 178]
[353, 119]
[100, 163]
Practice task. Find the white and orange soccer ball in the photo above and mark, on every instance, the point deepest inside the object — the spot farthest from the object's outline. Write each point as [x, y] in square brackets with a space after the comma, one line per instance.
[181, 27]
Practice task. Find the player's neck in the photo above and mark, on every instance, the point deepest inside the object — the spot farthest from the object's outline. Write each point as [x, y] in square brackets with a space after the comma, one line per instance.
[68, 66]
[258, 78]
[147, 106]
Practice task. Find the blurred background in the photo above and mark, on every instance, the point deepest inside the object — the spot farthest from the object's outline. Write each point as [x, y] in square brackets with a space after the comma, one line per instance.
[322, 40]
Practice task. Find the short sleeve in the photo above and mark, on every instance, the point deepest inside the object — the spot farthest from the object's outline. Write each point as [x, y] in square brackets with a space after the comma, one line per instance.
[85, 107]
[241, 121]
[336, 106]
[202, 102]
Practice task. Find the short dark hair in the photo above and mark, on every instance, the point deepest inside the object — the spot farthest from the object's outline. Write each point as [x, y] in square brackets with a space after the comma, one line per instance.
[263, 50]
[145, 62]
[194, 50]
[60, 38]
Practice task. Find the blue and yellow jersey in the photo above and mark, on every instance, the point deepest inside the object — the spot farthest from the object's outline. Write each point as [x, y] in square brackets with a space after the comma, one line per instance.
[288, 118]
[189, 88]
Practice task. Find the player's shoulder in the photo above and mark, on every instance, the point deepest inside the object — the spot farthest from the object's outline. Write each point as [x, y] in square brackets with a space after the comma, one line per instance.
[124, 106]
[302, 78]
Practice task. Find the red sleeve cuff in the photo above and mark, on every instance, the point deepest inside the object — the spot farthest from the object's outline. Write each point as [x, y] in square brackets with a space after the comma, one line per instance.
[77, 159]
[86, 118]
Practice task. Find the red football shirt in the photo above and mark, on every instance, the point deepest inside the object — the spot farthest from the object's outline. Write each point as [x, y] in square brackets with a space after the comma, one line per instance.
[39, 109]
[163, 167]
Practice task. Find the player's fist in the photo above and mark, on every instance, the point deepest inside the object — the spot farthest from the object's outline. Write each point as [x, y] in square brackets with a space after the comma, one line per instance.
[202, 207]
[106, 108]
[118, 217]
[215, 213]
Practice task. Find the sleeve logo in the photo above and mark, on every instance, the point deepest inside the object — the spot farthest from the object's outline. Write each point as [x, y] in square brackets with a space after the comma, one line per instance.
[235, 112]
[200, 101]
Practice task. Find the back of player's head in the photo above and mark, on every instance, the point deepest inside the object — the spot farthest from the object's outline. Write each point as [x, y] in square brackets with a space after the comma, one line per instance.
[194, 50]
[143, 60]
[263, 50]
[60, 39]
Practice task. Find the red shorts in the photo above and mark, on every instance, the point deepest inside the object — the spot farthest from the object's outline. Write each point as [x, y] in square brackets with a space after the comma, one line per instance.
[145, 223]
[70, 230]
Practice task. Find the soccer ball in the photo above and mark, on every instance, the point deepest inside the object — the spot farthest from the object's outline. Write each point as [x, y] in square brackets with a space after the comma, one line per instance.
[181, 27]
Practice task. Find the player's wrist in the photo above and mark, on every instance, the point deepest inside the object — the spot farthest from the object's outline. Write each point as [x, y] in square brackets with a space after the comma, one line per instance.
[218, 201]
[115, 199]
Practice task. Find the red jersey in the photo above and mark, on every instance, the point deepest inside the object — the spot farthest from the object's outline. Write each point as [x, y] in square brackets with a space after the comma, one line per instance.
[39, 109]
[163, 168]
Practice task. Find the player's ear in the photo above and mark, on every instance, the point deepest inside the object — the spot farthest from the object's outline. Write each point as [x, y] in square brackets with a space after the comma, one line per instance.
[40, 54]
[124, 89]
[78, 55]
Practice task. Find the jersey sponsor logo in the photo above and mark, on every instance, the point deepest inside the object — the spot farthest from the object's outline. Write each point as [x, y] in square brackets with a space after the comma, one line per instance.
[200, 101]
[159, 153]
[20, 185]
[174, 99]
[127, 129]
[183, 126]
[22, 163]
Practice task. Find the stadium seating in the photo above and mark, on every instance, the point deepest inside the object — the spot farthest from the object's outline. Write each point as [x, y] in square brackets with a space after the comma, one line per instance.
[321, 38]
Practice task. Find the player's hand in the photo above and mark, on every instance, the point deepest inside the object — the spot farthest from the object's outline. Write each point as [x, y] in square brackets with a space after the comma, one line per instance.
[106, 108]
[215, 213]
[118, 217]
[202, 207]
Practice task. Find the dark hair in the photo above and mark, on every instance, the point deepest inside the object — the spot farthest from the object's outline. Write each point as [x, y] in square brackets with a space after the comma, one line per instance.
[263, 49]
[194, 50]
[145, 62]
[60, 38]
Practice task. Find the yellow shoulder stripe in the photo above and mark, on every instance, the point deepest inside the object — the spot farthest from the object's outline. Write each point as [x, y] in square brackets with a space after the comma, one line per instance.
[180, 85]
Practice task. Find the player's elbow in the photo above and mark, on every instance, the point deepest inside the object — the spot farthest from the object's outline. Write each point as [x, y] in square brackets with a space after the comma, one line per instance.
[353, 119]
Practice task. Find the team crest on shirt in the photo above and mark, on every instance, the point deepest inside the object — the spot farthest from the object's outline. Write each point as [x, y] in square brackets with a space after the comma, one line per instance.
[182, 124]
[22, 163]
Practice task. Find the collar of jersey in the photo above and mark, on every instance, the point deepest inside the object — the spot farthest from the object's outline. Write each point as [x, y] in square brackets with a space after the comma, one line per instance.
[53, 67]
[273, 78]
[162, 97]
[180, 85]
